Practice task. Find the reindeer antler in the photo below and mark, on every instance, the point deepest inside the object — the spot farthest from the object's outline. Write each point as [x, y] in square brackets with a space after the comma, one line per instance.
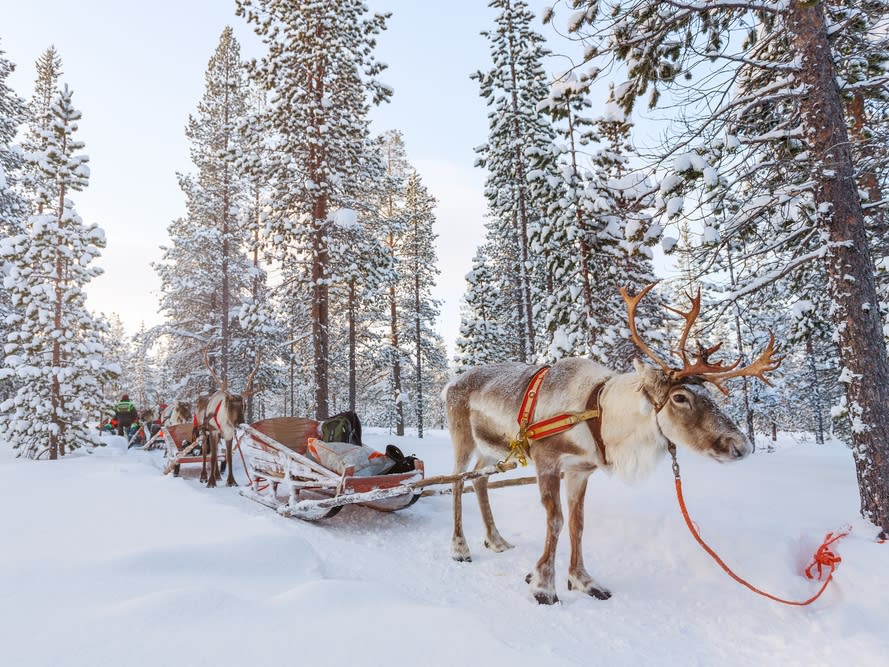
[690, 317]
[632, 302]
[763, 364]
[701, 367]
[219, 383]
[248, 388]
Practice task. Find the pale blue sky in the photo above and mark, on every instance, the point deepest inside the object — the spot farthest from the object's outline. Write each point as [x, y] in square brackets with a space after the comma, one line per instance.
[137, 71]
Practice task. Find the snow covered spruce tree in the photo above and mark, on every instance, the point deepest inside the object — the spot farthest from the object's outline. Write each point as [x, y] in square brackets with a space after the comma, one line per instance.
[12, 115]
[483, 335]
[597, 233]
[40, 120]
[392, 232]
[321, 76]
[419, 309]
[13, 208]
[206, 272]
[518, 136]
[53, 351]
[787, 121]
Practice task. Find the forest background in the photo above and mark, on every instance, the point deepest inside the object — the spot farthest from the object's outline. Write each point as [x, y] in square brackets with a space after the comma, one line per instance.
[305, 250]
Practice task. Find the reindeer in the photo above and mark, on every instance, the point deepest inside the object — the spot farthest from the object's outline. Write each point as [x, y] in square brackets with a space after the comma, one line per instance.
[179, 413]
[218, 416]
[629, 420]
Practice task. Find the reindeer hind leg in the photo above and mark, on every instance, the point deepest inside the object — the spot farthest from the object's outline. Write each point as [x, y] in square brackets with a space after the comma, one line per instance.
[213, 443]
[464, 446]
[204, 437]
[229, 461]
[493, 539]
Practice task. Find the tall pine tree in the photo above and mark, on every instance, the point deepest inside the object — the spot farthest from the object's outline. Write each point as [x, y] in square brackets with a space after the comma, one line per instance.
[54, 349]
[321, 76]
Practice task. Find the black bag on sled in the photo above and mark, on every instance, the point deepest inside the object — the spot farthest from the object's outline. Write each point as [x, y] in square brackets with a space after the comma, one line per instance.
[344, 427]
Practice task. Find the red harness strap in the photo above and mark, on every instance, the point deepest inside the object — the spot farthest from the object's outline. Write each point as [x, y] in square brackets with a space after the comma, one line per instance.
[216, 415]
[529, 402]
[561, 422]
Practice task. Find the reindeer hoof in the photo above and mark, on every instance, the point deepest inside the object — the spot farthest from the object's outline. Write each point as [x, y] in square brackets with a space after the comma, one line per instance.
[546, 597]
[231, 482]
[591, 590]
[498, 546]
[211, 484]
[460, 550]
[528, 578]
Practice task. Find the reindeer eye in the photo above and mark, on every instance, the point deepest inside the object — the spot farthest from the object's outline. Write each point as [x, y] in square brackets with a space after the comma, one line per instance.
[680, 398]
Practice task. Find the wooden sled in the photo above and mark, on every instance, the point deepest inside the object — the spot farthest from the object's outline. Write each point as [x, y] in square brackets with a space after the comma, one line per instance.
[179, 449]
[283, 477]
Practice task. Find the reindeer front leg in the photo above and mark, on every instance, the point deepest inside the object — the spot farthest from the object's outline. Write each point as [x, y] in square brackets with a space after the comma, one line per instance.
[542, 580]
[578, 577]
[229, 461]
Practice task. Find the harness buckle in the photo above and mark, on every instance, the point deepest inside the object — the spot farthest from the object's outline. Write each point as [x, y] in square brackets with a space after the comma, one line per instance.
[519, 447]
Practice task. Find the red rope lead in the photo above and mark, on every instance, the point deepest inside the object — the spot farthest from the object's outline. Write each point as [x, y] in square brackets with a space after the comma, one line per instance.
[824, 557]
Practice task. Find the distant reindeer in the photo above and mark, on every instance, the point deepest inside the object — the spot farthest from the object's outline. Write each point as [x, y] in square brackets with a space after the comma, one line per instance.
[629, 420]
[178, 413]
[218, 416]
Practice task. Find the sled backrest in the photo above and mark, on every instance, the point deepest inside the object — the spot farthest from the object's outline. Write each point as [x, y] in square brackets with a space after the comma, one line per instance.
[292, 432]
[180, 432]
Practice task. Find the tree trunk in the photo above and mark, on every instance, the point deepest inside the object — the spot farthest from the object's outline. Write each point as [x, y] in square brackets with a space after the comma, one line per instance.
[57, 437]
[748, 412]
[816, 392]
[353, 385]
[856, 316]
[585, 250]
[526, 307]
[396, 362]
[419, 341]
[320, 310]
[225, 296]
[254, 288]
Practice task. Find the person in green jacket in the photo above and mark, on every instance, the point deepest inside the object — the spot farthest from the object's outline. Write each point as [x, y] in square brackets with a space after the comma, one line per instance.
[125, 414]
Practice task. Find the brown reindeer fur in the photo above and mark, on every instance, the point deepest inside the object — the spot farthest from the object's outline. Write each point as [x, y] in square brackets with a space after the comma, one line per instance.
[179, 413]
[483, 406]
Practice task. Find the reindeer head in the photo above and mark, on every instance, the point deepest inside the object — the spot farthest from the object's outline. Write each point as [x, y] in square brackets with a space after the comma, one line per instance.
[686, 411]
[178, 413]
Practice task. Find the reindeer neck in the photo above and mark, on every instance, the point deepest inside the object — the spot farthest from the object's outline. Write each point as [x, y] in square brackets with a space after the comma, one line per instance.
[630, 431]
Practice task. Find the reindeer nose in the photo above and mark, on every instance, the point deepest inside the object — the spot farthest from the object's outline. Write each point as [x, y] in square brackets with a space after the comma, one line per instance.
[738, 448]
[734, 447]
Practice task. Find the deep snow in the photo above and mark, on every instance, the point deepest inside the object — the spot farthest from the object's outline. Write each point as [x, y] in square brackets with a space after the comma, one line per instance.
[107, 562]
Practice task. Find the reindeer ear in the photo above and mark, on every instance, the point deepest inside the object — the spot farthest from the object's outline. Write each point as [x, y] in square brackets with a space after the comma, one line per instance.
[651, 379]
[645, 372]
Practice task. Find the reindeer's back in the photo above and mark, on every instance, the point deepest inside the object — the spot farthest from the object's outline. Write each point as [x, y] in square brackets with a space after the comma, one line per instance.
[490, 381]
[497, 390]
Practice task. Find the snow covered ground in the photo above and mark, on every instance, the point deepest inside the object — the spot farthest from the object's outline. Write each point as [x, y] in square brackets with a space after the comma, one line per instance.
[104, 561]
